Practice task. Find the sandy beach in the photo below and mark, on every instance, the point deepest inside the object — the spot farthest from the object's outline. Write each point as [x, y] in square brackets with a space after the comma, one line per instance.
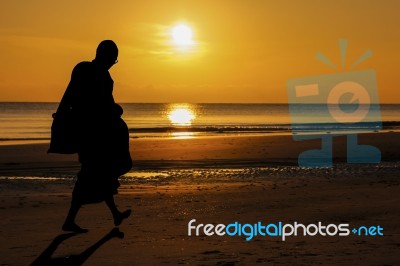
[215, 180]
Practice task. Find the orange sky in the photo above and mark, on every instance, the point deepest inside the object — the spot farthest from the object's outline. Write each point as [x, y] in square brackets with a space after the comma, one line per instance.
[244, 51]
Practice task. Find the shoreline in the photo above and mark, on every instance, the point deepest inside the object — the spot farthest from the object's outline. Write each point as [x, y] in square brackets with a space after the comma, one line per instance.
[223, 151]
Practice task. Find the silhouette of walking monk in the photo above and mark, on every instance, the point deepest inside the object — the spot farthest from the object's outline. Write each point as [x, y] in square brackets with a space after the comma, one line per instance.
[88, 122]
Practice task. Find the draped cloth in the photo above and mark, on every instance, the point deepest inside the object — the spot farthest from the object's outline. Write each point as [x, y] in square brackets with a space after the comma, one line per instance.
[88, 122]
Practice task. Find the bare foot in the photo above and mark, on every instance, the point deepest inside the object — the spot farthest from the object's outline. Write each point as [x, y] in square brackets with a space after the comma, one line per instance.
[73, 227]
[121, 216]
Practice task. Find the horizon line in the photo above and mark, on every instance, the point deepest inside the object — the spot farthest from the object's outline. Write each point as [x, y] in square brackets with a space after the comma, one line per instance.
[185, 102]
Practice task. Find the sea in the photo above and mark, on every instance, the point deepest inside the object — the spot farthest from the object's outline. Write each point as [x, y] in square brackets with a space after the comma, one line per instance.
[31, 121]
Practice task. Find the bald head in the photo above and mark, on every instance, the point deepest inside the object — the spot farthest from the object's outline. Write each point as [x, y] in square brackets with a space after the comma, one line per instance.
[107, 53]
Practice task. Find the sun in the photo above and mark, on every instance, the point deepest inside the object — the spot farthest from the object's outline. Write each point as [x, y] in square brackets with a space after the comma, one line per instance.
[181, 116]
[182, 35]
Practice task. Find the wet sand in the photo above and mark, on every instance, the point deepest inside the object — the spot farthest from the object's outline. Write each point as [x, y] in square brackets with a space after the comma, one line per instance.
[213, 180]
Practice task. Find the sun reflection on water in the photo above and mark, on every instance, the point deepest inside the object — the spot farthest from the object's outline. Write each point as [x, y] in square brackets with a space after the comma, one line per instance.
[183, 135]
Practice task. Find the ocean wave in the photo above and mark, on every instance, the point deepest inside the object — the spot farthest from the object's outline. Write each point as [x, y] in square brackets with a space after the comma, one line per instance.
[365, 126]
[246, 129]
[211, 129]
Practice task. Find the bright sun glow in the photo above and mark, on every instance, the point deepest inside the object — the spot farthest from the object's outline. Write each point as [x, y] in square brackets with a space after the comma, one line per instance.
[182, 35]
[181, 116]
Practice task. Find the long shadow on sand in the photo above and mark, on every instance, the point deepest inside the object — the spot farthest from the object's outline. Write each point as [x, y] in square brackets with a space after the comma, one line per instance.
[46, 259]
